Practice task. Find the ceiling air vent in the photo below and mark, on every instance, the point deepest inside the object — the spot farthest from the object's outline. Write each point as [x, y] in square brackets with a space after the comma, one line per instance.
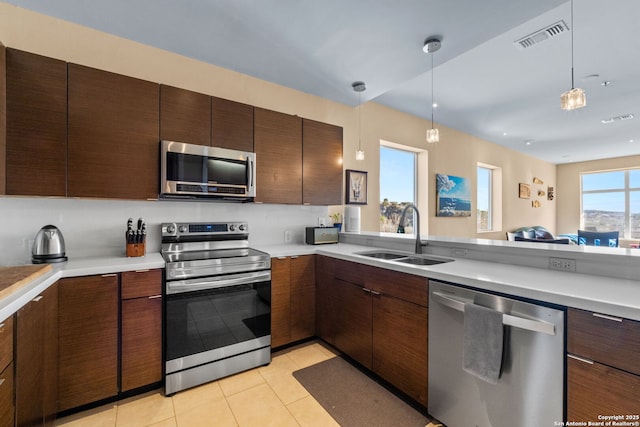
[542, 35]
[618, 118]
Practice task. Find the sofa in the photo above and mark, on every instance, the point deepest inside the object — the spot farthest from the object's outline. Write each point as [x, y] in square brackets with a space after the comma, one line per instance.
[536, 234]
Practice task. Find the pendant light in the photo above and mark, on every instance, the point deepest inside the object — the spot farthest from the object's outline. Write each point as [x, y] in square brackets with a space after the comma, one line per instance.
[359, 87]
[430, 46]
[574, 98]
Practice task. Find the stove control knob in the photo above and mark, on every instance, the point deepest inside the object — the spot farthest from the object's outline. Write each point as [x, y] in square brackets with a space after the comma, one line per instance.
[232, 227]
[242, 227]
[182, 229]
[171, 229]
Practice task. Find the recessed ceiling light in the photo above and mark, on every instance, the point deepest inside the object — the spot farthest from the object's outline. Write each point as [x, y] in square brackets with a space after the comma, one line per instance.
[631, 140]
[504, 134]
[528, 142]
[606, 83]
[435, 105]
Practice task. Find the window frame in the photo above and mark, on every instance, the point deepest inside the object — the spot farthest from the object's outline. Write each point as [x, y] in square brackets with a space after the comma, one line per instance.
[495, 198]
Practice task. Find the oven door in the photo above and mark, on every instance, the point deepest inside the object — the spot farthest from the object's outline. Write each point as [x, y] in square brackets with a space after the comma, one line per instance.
[210, 319]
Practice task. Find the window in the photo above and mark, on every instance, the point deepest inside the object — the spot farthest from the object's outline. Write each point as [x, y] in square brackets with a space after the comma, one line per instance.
[483, 211]
[397, 187]
[489, 198]
[611, 202]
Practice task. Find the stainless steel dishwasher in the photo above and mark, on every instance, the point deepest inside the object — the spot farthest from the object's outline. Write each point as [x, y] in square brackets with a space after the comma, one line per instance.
[530, 389]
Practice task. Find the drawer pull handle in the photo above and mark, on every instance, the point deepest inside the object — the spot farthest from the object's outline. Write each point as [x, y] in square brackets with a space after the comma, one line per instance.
[36, 299]
[142, 271]
[375, 293]
[581, 359]
[110, 275]
[282, 257]
[155, 296]
[604, 316]
[1, 381]
[1, 326]
[367, 290]
[294, 257]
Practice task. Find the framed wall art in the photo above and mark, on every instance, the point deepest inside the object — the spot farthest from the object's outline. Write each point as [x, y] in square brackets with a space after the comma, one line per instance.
[524, 191]
[454, 196]
[356, 187]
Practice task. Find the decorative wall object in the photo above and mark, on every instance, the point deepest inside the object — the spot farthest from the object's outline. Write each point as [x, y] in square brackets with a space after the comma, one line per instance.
[537, 180]
[550, 193]
[541, 193]
[524, 191]
[356, 187]
[453, 196]
[535, 204]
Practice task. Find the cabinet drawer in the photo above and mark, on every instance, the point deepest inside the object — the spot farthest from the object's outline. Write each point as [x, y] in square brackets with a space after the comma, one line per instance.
[605, 339]
[594, 389]
[407, 287]
[347, 271]
[7, 412]
[136, 284]
[6, 342]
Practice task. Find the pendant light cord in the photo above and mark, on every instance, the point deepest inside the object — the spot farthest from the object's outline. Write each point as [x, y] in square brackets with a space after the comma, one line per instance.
[359, 121]
[432, 90]
[572, 28]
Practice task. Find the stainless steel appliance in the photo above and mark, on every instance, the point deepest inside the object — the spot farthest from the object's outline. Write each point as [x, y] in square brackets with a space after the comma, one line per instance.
[217, 303]
[197, 171]
[321, 235]
[530, 389]
[48, 246]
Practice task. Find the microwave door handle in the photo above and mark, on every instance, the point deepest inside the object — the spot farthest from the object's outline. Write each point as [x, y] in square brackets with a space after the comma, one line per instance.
[250, 172]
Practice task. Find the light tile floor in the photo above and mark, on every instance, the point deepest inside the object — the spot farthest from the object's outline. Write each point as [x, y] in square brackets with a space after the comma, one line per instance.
[265, 396]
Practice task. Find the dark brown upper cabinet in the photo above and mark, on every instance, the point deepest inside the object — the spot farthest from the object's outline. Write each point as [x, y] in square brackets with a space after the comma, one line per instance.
[278, 148]
[113, 135]
[232, 125]
[321, 163]
[36, 125]
[185, 116]
[3, 119]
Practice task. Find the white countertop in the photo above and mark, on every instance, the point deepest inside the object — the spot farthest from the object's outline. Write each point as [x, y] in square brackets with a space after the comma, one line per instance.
[616, 297]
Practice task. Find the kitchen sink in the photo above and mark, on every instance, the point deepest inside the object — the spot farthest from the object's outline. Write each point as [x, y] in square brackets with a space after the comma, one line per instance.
[404, 258]
[382, 255]
[422, 261]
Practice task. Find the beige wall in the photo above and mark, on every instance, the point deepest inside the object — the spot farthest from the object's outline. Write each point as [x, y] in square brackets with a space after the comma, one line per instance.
[456, 154]
[569, 187]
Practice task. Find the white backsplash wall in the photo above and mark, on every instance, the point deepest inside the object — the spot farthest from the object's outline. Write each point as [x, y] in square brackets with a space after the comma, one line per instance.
[97, 227]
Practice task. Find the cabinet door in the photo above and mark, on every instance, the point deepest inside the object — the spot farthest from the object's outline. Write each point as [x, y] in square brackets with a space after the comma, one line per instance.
[594, 389]
[36, 120]
[303, 297]
[278, 148]
[7, 408]
[185, 116]
[326, 314]
[400, 345]
[88, 340]
[322, 163]
[50, 345]
[113, 135]
[6, 342]
[354, 329]
[3, 119]
[141, 342]
[231, 125]
[29, 379]
[280, 301]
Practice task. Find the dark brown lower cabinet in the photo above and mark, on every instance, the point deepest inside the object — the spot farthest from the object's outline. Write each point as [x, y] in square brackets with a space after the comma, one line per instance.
[36, 360]
[354, 332]
[88, 340]
[7, 409]
[400, 342]
[141, 329]
[594, 389]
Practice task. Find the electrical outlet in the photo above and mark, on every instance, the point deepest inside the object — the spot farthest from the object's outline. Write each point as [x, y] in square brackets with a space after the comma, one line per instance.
[562, 264]
[287, 236]
[459, 253]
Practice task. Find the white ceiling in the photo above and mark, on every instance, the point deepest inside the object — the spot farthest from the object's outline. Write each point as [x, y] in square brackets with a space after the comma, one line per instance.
[484, 84]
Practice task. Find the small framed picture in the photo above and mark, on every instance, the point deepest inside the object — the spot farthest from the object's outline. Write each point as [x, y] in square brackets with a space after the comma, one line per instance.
[524, 191]
[356, 187]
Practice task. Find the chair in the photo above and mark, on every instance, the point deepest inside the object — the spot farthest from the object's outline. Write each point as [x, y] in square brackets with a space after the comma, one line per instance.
[599, 238]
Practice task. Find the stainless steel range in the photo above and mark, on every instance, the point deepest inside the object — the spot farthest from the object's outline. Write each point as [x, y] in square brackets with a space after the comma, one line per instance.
[218, 303]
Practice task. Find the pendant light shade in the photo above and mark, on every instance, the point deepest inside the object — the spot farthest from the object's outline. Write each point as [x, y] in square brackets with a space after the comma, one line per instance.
[430, 46]
[576, 97]
[359, 87]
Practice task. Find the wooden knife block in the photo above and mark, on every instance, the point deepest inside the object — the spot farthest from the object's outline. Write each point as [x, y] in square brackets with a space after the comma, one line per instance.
[135, 249]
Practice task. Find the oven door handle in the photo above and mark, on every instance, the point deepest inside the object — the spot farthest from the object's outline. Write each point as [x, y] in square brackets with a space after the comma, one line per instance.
[181, 286]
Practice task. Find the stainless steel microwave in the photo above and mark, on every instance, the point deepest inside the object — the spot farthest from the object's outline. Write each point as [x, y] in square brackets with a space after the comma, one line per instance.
[198, 171]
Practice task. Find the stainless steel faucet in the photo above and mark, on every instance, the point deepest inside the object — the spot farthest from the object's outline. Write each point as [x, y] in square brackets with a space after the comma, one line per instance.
[416, 225]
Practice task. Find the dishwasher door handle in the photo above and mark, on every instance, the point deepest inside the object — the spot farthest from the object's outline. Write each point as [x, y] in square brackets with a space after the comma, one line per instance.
[507, 319]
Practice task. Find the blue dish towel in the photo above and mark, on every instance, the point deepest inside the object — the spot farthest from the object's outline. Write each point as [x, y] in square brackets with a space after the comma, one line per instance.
[482, 342]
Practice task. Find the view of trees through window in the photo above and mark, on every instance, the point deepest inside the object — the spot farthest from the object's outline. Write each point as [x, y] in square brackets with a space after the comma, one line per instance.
[483, 212]
[397, 188]
[611, 202]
